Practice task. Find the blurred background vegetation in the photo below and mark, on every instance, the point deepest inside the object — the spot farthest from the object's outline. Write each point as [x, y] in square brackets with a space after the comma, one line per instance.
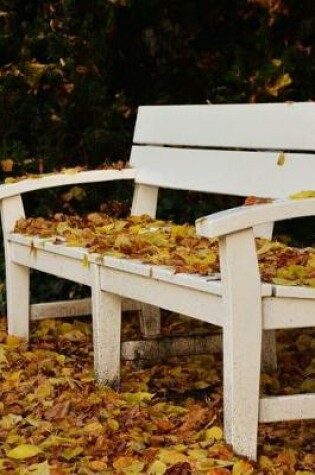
[73, 72]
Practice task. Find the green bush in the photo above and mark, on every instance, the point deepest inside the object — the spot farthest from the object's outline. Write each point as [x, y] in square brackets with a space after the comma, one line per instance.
[74, 72]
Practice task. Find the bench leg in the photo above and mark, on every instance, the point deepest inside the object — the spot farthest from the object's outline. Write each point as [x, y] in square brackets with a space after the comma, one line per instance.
[150, 321]
[269, 351]
[106, 318]
[17, 276]
[242, 337]
[18, 299]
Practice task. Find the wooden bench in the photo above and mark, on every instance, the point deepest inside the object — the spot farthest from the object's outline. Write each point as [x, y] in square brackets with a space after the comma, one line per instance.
[265, 150]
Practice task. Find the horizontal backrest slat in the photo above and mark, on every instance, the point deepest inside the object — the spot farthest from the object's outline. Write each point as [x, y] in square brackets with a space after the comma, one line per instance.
[243, 173]
[280, 126]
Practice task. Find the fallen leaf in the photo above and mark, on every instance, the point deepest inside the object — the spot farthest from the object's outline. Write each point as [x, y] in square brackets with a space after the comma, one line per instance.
[24, 451]
[281, 159]
[157, 468]
[214, 432]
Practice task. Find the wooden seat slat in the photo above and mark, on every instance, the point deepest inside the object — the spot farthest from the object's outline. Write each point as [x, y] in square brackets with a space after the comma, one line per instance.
[294, 291]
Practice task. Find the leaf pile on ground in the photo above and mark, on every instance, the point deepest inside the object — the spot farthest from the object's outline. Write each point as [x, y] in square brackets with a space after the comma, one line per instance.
[166, 243]
[55, 420]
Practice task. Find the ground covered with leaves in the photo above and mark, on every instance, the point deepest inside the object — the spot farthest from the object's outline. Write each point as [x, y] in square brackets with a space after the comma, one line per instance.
[166, 419]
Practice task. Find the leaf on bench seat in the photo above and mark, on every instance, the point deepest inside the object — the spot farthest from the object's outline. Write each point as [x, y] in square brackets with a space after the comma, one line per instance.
[166, 243]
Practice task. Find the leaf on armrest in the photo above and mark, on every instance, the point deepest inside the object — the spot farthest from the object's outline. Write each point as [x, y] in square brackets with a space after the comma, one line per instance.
[255, 200]
[301, 195]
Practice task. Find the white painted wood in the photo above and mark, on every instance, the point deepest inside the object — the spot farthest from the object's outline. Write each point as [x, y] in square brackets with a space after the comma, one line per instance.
[17, 276]
[165, 347]
[145, 202]
[281, 313]
[269, 362]
[242, 339]
[35, 244]
[264, 230]
[106, 317]
[288, 126]
[201, 305]
[52, 263]
[144, 199]
[150, 321]
[128, 265]
[61, 309]
[63, 179]
[293, 291]
[211, 283]
[287, 408]
[72, 308]
[230, 221]
[240, 173]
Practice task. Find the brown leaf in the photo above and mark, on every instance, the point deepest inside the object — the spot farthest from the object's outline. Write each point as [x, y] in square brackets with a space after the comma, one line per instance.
[58, 411]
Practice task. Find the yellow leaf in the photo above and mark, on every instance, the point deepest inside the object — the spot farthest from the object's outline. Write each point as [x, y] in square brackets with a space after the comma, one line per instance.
[265, 462]
[136, 398]
[281, 159]
[10, 420]
[9, 180]
[157, 468]
[308, 385]
[281, 281]
[282, 82]
[198, 454]
[128, 465]
[39, 469]
[276, 62]
[3, 358]
[55, 440]
[242, 467]
[215, 433]
[265, 247]
[43, 391]
[218, 471]
[97, 465]
[76, 193]
[310, 282]
[13, 341]
[172, 457]
[71, 453]
[71, 171]
[301, 195]
[85, 261]
[24, 451]
[94, 428]
[113, 424]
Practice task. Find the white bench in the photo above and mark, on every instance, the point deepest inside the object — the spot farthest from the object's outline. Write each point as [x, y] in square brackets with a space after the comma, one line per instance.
[230, 149]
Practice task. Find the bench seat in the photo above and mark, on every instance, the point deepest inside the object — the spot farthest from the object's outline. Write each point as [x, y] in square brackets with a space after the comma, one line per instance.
[37, 252]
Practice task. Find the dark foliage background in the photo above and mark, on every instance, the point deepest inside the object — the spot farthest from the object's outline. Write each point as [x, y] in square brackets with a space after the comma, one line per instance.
[73, 72]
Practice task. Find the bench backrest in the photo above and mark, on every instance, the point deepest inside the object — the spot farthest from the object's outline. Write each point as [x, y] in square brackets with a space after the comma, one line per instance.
[265, 150]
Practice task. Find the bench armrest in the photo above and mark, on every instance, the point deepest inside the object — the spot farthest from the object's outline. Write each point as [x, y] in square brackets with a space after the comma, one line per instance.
[62, 179]
[244, 217]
